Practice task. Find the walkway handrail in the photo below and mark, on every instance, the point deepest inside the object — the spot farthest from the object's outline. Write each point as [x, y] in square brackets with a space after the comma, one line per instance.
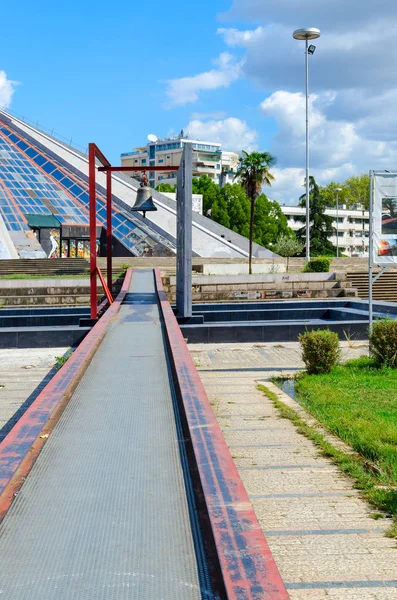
[248, 568]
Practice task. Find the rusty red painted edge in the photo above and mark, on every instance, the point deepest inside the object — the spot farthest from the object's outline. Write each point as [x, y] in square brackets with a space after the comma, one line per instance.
[20, 440]
[248, 567]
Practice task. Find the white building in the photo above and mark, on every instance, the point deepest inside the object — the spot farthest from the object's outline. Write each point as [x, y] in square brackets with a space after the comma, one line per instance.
[208, 159]
[229, 165]
[351, 227]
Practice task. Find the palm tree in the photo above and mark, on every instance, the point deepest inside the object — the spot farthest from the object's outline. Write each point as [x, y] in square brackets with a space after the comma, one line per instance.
[253, 172]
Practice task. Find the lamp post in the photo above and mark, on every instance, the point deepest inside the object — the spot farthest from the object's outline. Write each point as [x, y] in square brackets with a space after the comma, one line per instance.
[337, 190]
[307, 34]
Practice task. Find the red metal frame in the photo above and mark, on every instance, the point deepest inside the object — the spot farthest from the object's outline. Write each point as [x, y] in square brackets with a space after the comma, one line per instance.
[94, 153]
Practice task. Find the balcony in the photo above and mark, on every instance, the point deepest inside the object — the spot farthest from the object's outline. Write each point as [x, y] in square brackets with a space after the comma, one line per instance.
[202, 169]
[198, 157]
[167, 177]
[132, 153]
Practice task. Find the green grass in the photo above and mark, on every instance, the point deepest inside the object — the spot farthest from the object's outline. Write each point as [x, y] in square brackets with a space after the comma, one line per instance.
[48, 276]
[376, 488]
[51, 276]
[357, 402]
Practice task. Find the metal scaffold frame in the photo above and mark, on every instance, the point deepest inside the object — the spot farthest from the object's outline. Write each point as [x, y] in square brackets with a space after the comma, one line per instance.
[184, 226]
[371, 263]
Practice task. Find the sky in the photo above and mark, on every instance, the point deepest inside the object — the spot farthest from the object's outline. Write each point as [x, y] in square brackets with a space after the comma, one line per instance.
[222, 70]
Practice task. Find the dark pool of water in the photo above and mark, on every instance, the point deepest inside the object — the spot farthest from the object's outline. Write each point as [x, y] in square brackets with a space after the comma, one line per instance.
[287, 386]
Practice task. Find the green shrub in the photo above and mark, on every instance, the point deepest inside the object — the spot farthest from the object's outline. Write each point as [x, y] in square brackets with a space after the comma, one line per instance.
[61, 360]
[383, 342]
[320, 350]
[318, 265]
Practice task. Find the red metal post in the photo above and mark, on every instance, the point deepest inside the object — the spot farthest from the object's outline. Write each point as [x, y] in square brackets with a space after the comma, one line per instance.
[109, 228]
[93, 261]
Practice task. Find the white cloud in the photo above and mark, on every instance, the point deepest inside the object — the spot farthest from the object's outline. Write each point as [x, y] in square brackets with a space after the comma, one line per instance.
[338, 148]
[353, 121]
[232, 133]
[288, 185]
[336, 15]
[236, 37]
[7, 89]
[186, 89]
[210, 115]
[332, 142]
[360, 57]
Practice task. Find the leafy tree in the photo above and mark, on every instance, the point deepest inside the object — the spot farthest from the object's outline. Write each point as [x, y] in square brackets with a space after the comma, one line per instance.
[238, 206]
[253, 172]
[219, 211]
[320, 223]
[355, 190]
[270, 222]
[287, 246]
[166, 187]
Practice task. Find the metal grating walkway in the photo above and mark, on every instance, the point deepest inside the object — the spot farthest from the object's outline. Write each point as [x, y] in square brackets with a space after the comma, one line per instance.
[104, 513]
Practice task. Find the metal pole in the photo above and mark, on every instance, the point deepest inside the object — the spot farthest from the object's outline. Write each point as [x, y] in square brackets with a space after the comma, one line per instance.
[307, 155]
[93, 269]
[184, 235]
[109, 229]
[371, 248]
[337, 224]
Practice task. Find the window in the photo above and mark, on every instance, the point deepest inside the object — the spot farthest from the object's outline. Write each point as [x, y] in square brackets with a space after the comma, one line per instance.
[144, 161]
[135, 161]
[161, 160]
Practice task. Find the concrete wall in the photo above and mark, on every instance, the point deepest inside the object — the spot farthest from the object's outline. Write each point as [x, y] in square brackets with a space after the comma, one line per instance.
[239, 266]
[264, 287]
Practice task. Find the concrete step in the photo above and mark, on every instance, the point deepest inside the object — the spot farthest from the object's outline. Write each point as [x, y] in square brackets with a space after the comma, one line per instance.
[44, 300]
[42, 337]
[44, 320]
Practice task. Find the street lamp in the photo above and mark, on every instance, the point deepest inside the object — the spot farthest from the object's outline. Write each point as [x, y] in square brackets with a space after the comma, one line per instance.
[337, 190]
[307, 34]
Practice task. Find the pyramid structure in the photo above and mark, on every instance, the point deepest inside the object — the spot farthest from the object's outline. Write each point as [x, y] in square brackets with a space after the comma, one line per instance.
[44, 206]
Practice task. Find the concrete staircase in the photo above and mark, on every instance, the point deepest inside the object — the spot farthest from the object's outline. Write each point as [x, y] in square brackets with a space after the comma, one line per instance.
[49, 292]
[385, 288]
[44, 266]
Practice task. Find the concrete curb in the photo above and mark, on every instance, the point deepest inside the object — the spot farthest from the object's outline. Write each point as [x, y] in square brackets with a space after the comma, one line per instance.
[246, 562]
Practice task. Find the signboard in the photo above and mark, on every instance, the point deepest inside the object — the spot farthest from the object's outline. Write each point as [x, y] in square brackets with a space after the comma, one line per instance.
[384, 218]
[197, 203]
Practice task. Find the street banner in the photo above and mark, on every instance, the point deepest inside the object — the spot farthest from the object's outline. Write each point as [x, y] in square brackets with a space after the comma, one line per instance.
[384, 218]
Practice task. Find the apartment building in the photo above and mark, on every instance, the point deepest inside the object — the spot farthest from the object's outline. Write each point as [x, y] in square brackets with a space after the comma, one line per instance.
[208, 159]
[351, 227]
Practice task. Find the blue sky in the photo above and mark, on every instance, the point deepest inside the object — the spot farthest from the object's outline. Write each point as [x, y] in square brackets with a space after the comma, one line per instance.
[227, 71]
[95, 75]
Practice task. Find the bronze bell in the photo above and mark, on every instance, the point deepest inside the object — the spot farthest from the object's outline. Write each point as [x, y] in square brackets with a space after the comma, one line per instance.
[144, 200]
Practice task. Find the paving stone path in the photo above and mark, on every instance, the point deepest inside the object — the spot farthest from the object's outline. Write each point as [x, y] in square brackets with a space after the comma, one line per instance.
[23, 374]
[322, 536]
